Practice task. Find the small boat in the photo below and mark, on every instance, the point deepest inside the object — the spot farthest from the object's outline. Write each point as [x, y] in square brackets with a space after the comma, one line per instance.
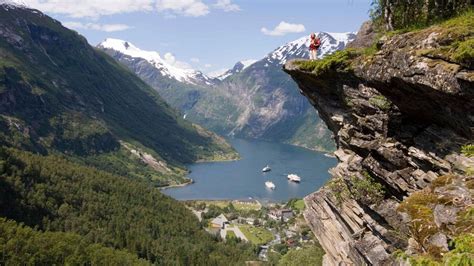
[270, 185]
[266, 169]
[294, 178]
[330, 155]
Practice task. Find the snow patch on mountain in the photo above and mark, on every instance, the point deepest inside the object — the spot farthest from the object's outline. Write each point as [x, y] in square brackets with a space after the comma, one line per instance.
[248, 63]
[238, 67]
[167, 67]
[330, 42]
[13, 3]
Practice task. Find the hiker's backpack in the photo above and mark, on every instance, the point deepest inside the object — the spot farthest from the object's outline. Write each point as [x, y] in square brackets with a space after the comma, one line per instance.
[317, 43]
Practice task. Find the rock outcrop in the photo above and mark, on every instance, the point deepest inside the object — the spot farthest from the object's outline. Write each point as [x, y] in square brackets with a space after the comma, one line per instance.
[400, 117]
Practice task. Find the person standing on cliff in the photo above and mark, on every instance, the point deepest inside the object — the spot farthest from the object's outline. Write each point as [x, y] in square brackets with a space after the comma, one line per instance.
[315, 42]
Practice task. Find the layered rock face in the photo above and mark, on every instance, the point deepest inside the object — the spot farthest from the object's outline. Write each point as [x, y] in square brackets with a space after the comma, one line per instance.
[399, 116]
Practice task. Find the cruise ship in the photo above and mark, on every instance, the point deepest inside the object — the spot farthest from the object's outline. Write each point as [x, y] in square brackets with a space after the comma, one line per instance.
[294, 178]
[270, 185]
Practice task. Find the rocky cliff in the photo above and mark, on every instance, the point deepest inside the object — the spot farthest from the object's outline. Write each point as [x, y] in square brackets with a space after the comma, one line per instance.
[400, 113]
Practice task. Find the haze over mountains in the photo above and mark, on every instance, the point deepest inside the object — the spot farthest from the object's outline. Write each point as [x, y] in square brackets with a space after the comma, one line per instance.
[254, 99]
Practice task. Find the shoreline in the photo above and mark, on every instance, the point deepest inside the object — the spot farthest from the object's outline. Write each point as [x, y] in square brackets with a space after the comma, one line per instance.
[187, 183]
[261, 202]
[219, 161]
[310, 149]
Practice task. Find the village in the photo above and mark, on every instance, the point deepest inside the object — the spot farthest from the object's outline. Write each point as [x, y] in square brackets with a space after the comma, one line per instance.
[274, 228]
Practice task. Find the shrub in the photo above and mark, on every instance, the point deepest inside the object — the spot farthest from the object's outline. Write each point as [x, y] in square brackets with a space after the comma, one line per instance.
[366, 190]
[339, 189]
[415, 13]
[419, 207]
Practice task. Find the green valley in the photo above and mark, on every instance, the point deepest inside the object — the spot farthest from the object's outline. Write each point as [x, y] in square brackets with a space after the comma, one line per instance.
[84, 144]
[59, 95]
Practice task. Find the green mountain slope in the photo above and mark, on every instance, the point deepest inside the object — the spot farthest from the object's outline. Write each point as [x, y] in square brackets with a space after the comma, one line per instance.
[59, 94]
[21, 245]
[80, 140]
[53, 194]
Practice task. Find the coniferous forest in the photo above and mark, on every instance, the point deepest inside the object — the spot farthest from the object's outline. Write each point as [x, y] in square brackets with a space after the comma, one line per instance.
[82, 215]
[75, 130]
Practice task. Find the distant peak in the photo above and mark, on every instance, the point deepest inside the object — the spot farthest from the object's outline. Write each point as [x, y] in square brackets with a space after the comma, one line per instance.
[247, 63]
[13, 3]
[167, 64]
[115, 44]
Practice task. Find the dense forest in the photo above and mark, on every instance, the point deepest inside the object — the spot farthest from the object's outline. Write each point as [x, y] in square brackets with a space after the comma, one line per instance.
[83, 145]
[399, 14]
[99, 211]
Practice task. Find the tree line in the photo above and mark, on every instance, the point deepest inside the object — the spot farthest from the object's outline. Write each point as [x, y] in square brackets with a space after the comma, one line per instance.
[399, 14]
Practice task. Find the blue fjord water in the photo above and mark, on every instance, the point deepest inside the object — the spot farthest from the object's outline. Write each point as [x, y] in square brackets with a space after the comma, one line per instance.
[244, 179]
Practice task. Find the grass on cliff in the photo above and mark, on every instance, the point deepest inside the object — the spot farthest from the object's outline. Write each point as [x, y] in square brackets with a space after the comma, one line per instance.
[364, 189]
[420, 208]
[339, 60]
[468, 150]
[458, 40]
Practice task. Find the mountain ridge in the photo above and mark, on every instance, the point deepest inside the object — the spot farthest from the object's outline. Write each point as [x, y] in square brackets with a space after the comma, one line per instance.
[53, 101]
[84, 143]
[239, 103]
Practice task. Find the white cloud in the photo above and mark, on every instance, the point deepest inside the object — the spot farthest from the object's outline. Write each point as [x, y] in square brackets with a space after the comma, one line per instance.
[207, 65]
[171, 59]
[195, 60]
[90, 8]
[284, 28]
[96, 26]
[96, 9]
[191, 8]
[226, 5]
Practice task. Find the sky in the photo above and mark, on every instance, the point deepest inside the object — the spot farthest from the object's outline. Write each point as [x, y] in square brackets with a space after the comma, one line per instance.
[208, 35]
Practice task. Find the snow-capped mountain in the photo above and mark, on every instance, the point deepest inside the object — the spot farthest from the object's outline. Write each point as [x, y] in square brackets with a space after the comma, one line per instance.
[12, 3]
[254, 99]
[330, 42]
[165, 67]
[238, 67]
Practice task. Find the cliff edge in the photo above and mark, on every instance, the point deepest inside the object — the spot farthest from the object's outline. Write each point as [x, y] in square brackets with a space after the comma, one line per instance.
[401, 112]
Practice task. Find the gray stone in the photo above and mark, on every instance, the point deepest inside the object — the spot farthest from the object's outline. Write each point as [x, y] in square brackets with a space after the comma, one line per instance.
[444, 214]
[439, 240]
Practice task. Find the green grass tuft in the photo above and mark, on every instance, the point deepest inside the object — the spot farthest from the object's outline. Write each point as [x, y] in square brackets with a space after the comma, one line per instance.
[339, 60]
[468, 150]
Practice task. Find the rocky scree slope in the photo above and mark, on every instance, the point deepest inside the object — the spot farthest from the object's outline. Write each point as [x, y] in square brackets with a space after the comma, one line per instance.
[400, 113]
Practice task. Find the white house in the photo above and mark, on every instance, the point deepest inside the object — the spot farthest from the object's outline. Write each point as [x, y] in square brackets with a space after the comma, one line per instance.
[219, 222]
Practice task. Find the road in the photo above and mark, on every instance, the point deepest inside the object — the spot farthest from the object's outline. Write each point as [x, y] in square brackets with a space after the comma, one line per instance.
[236, 230]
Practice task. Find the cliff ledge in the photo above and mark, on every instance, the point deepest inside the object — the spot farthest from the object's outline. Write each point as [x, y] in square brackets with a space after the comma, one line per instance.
[401, 112]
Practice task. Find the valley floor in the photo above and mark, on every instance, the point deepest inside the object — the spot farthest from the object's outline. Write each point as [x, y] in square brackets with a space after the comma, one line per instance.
[278, 230]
